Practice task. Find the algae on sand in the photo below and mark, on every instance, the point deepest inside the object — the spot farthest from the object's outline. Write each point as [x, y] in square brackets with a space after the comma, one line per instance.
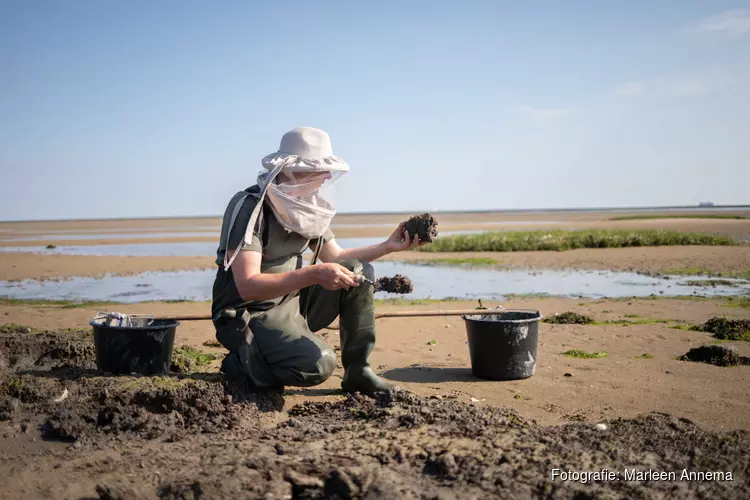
[575, 353]
[727, 329]
[569, 318]
[186, 359]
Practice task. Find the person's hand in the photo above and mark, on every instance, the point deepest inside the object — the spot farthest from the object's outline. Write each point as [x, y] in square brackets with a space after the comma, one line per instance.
[332, 276]
[400, 239]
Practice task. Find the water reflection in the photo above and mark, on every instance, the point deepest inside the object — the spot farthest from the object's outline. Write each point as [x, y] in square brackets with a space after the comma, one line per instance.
[437, 282]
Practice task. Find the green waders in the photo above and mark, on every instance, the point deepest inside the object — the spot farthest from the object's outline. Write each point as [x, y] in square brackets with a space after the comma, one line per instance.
[279, 347]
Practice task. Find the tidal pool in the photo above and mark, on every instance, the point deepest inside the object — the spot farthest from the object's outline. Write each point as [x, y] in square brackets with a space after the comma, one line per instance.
[430, 281]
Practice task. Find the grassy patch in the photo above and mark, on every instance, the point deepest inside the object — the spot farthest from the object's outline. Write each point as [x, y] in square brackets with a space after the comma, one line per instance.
[469, 261]
[65, 304]
[186, 359]
[413, 302]
[211, 343]
[569, 318]
[696, 298]
[560, 240]
[575, 353]
[699, 271]
[743, 302]
[537, 295]
[645, 355]
[649, 217]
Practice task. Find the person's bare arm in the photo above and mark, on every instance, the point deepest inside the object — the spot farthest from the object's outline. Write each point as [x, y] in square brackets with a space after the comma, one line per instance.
[398, 241]
[254, 285]
[332, 252]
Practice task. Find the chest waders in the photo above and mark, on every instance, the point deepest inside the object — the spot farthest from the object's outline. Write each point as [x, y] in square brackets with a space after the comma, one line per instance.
[279, 346]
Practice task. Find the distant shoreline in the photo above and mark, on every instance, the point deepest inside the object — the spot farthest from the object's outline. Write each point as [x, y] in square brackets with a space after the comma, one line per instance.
[690, 208]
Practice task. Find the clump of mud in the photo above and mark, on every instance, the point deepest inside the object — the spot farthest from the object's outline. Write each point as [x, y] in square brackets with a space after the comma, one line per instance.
[727, 329]
[395, 445]
[569, 318]
[49, 379]
[397, 284]
[719, 355]
[399, 445]
[424, 226]
[22, 347]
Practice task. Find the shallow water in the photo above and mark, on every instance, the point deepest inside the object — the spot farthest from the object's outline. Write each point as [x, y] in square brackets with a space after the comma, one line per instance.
[104, 232]
[109, 236]
[436, 282]
[174, 249]
[181, 249]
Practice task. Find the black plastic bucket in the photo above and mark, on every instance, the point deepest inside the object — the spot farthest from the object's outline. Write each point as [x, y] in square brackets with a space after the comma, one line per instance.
[503, 346]
[145, 350]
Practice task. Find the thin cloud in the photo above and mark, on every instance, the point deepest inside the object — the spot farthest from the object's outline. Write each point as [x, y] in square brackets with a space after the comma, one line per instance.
[731, 23]
[630, 88]
[543, 112]
[682, 86]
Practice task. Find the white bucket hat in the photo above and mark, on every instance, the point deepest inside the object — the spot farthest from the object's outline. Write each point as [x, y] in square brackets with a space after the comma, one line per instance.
[305, 149]
[302, 150]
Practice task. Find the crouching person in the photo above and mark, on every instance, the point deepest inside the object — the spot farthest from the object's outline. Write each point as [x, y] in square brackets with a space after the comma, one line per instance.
[267, 306]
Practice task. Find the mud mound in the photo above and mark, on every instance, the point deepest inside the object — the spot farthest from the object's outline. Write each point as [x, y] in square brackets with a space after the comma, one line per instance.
[397, 284]
[50, 379]
[22, 347]
[424, 225]
[403, 446]
[396, 445]
[719, 355]
[569, 318]
[144, 407]
[727, 329]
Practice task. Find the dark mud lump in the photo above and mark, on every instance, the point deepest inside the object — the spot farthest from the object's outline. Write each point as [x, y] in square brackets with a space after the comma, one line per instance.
[719, 355]
[424, 225]
[397, 284]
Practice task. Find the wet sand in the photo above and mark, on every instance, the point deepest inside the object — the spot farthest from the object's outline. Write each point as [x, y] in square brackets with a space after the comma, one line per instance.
[459, 436]
[19, 266]
[737, 229]
[617, 386]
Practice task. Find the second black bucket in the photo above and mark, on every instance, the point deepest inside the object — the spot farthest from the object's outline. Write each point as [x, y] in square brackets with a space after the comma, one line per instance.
[503, 346]
[145, 350]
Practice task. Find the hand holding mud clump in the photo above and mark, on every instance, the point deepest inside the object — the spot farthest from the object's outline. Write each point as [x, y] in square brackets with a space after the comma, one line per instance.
[397, 284]
[424, 226]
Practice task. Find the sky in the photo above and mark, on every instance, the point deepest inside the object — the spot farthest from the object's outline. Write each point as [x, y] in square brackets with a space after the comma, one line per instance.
[145, 109]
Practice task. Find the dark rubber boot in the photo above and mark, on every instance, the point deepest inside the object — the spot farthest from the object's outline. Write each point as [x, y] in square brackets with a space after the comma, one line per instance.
[357, 329]
[232, 369]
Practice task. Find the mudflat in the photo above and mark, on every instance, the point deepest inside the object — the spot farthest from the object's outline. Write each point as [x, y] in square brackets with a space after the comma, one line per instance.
[69, 431]
[76, 433]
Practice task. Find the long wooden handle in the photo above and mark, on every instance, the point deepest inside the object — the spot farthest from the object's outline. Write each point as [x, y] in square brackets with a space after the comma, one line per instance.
[396, 314]
[448, 312]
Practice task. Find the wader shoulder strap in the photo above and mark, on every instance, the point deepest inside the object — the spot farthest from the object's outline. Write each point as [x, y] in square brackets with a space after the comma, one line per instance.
[316, 253]
[254, 217]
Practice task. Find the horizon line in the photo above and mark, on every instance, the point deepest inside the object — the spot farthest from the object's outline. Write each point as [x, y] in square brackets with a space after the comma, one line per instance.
[398, 212]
